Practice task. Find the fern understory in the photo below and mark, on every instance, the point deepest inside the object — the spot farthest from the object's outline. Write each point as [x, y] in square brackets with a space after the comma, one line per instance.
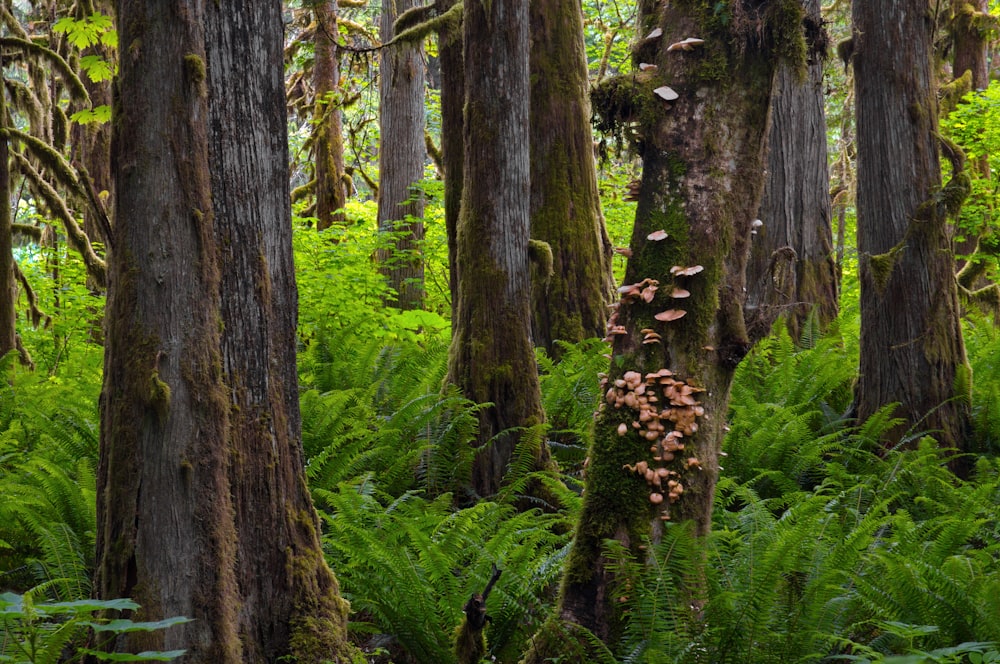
[825, 547]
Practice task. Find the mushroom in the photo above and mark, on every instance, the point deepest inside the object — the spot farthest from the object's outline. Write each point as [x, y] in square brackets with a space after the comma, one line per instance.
[670, 315]
[686, 44]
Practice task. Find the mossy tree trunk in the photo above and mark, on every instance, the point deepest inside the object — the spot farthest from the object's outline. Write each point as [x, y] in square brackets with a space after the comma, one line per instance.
[970, 31]
[492, 357]
[401, 160]
[911, 339]
[8, 280]
[328, 142]
[572, 279]
[792, 270]
[452, 143]
[203, 509]
[654, 460]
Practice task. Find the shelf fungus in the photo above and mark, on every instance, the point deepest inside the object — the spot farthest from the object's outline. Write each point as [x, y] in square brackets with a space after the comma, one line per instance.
[682, 271]
[670, 315]
[666, 93]
[685, 44]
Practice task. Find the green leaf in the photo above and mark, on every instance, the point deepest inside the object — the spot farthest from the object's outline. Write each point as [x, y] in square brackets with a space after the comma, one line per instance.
[84, 605]
[98, 114]
[97, 68]
[122, 625]
[101, 22]
[145, 656]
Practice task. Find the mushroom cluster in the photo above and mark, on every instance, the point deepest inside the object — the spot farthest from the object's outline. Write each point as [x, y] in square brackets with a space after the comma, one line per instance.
[658, 398]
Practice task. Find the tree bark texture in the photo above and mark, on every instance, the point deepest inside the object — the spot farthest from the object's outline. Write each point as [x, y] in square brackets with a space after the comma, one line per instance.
[792, 269]
[678, 329]
[572, 278]
[8, 280]
[911, 339]
[401, 160]
[492, 357]
[328, 141]
[452, 141]
[203, 509]
[970, 30]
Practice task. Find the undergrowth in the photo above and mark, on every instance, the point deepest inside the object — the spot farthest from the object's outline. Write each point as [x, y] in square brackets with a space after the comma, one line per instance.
[825, 547]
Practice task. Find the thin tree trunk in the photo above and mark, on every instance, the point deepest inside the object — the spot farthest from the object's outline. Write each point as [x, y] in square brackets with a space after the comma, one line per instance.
[452, 143]
[970, 29]
[492, 358]
[8, 280]
[911, 339]
[92, 142]
[401, 161]
[202, 504]
[792, 270]
[328, 141]
[573, 279]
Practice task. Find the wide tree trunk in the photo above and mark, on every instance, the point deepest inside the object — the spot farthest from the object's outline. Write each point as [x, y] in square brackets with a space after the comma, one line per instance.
[401, 160]
[792, 270]
[572, 279]
[699, 120]
[912, 351]
[328, 142]
[492, 358]
[203, 509]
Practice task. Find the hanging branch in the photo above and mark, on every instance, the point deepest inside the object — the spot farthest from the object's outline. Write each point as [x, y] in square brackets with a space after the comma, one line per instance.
[36, 314]
[73, 82]
[24, 99]
[96, 266]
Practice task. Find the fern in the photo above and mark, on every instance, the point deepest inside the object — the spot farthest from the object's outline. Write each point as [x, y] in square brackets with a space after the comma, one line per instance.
[438, 557]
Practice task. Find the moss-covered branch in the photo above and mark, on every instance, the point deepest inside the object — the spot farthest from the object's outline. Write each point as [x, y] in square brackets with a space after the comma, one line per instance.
[95, 265]
[36, 314]
[418, 23]
[73, 82]
[27, 230]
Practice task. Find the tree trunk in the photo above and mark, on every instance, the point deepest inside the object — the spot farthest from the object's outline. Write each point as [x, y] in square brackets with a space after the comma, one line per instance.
[970, 30]
[911, 339]
[572, 279]
[792, 269]
[401, 161]
[92, 142]
[203, 509]
[452, 143]
[492, 358]
[328, 141]
[678, 330]
[8, 280]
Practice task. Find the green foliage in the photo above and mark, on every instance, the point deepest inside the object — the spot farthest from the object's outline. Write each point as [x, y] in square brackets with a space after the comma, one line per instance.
[48, 458]
[825, 547]
[44, 632]
[974, 126]
[570, 394]
[409, 564]
[89, 31]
